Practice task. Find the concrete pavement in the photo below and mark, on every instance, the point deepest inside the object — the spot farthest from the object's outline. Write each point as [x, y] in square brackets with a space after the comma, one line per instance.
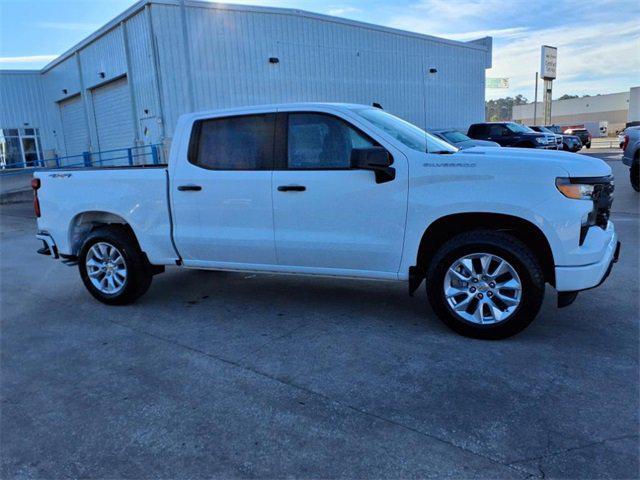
[239, 375]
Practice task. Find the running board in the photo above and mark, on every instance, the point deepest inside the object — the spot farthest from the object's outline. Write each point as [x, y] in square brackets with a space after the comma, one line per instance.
[69, 260]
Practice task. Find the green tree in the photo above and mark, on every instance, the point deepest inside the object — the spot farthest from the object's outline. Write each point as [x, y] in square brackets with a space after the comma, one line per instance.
[501, 109]
[566, 96]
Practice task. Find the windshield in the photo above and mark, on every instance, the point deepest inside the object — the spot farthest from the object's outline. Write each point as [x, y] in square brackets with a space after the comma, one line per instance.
[554, 128]
[413, 137]
[544, 129]
[455, 136]
[517, 128]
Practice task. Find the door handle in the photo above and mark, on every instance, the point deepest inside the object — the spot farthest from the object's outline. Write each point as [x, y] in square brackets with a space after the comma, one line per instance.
[291, 188]
[189, 188]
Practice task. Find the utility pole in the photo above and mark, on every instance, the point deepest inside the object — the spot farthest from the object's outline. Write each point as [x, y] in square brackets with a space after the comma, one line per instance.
[535, 103]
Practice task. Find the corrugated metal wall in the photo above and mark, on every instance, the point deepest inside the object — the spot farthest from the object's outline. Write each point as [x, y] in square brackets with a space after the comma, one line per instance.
[22, 104]
[206, 56]
[319, 60]
[142, 78]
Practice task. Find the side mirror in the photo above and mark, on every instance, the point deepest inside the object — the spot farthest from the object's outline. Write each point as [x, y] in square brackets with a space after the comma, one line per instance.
[376, 159]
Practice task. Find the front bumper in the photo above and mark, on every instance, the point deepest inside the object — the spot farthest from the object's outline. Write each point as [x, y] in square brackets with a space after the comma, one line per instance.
[573, 279]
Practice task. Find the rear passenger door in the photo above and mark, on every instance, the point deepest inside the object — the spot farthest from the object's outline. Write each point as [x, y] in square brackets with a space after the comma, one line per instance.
[328, 217]
[222, 196]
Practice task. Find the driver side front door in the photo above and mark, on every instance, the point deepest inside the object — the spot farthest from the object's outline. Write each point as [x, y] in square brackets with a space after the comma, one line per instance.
[328, 217]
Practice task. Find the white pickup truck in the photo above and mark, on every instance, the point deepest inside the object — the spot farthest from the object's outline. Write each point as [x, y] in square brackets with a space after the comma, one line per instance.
[345, 191]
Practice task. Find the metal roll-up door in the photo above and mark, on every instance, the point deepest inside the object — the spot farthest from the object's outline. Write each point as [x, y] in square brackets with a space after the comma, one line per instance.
[114, 122]
[75, 131]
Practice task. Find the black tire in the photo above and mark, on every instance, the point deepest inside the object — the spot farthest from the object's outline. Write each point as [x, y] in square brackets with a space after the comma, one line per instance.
[510, 249]
[139, 271]
[588, 145]
[634, 174]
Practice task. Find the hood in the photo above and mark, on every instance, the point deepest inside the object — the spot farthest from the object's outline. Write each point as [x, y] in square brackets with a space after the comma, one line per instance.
[476, 143]
[531, 159]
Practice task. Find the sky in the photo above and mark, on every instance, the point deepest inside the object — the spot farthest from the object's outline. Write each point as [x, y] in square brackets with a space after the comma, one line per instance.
[598, 41]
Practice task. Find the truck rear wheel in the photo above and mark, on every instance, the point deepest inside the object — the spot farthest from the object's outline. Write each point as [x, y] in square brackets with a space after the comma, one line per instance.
[112, 266]
[634, 174]
[485, 284]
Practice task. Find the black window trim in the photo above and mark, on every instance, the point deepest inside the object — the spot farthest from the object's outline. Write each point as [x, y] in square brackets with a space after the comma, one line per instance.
[196, 131]
[281, 160]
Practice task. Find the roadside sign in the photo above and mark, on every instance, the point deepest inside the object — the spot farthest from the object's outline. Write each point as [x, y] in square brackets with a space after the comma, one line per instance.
[497, 82]
[549, 60]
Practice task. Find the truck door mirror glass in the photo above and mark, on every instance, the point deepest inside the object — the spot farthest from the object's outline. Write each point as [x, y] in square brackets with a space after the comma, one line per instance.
[376, 159]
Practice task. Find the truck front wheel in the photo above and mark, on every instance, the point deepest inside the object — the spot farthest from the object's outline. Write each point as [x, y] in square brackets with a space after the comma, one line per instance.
[485, 284]
[112, 266]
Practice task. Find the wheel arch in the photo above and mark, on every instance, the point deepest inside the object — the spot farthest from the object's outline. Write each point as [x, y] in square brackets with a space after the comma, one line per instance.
[446, 227]
[84, 223]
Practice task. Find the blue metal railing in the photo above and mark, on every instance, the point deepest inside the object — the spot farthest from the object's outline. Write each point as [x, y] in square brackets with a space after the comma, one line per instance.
[140, 155]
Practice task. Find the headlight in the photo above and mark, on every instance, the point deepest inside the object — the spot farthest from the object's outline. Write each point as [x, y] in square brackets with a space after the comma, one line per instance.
[577, 191]
[541, 140]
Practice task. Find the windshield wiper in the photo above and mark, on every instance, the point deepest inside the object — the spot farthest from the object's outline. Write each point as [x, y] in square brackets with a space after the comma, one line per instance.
[443, 152]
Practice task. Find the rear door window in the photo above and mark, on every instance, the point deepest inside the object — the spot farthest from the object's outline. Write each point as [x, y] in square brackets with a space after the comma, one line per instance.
[234, 143]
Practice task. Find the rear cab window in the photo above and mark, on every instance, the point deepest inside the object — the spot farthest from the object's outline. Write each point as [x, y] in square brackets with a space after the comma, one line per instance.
[479, 130]
[244, 142]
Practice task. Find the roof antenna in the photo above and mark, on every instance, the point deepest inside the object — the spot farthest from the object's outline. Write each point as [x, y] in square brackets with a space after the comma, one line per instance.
[377, 105]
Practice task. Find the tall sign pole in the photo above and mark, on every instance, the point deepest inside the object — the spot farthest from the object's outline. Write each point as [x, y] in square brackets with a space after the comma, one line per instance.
[549, 60]
[535, 103]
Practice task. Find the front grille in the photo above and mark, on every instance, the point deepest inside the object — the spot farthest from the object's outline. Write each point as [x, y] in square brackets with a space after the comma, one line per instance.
[602, 200]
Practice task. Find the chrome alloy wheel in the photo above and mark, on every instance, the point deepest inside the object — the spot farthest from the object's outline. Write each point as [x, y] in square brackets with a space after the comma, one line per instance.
[482, 288]
[106, 268]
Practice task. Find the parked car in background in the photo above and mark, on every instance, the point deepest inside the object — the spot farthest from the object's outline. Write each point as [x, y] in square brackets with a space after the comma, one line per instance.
[570, 143]
[582, 133]
[511, 134]
[538, 128]
[460, 140]
[621, 138]
[631, 155]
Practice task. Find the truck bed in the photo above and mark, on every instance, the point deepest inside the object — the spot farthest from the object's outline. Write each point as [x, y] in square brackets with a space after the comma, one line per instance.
[135, 195]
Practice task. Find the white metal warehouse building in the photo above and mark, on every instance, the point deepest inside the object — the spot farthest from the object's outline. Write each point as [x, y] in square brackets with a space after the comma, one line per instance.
[126, 84]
